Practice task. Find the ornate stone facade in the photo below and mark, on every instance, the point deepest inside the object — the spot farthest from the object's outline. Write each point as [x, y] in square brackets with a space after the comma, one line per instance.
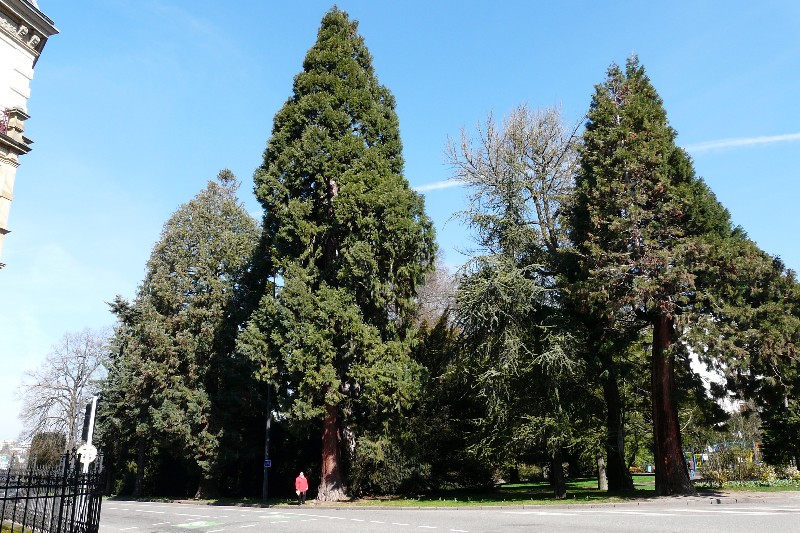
[24, 30]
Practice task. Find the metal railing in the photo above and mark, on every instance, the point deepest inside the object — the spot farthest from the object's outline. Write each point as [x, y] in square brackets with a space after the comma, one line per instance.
[59, 499]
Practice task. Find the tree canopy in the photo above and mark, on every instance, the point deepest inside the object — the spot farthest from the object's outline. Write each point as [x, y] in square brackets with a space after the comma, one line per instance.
[599, 253]
[347, 241]
[173, 345]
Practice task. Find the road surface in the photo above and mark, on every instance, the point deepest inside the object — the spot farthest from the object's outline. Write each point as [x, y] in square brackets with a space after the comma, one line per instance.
[737, 514]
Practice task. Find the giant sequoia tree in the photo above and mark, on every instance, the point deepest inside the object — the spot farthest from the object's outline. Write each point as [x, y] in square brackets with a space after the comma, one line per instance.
[644, 227]
[168, 378]
[348, 242]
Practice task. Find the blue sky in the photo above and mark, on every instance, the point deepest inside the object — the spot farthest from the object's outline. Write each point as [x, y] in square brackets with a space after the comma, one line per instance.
[136, 105]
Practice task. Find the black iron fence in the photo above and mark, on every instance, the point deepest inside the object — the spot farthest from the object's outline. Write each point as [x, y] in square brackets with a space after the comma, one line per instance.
[59, 499]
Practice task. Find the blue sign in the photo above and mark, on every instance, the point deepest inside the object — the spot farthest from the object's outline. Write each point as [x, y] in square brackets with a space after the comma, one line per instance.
[267, 463]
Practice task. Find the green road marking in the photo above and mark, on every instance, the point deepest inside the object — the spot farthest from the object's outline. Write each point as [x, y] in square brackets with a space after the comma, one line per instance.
[198, 524]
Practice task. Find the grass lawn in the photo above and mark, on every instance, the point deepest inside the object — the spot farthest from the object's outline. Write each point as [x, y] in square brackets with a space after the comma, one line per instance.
[5, 527]
[756, 488]
[581, 490]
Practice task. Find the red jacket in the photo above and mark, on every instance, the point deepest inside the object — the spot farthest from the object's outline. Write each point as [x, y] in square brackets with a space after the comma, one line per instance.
[301, 483]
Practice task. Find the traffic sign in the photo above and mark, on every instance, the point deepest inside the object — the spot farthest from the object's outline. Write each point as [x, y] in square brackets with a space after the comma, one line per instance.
[88, 453]
[267, 463]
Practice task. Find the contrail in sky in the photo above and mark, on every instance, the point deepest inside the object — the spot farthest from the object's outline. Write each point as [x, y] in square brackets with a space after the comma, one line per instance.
[742, 141]
[435, 186]
[696, 148]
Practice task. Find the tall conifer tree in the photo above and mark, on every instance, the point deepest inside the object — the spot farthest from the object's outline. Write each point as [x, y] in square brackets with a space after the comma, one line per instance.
[520, 348]
[168, 379]
[642, 223]
[348, 240]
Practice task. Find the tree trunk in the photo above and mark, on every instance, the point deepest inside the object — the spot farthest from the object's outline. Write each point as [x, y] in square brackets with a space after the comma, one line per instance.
[207, 489]
[331, 488]
[138, 483]
[557, 475]
[619, 477]
[602, 480]
[513, 474]
[671, 474]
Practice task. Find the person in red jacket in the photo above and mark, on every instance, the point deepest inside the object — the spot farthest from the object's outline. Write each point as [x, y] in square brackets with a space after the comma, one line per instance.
[300, 487]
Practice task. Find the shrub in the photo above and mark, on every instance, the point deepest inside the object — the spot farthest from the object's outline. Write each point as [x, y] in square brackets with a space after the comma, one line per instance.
[789, 473]
[766, 474]
[530, 473]
[714, 477]
[380, 466]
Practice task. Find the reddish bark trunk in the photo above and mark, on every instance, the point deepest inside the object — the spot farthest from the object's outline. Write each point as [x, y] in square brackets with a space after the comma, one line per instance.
[331, 488]
[672, 477]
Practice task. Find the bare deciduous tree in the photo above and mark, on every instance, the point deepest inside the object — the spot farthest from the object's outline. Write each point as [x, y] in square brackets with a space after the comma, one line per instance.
[436, 296]
[55, 393]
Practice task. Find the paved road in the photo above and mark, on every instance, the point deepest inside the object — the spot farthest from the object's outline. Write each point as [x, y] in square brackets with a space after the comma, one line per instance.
[763, 515]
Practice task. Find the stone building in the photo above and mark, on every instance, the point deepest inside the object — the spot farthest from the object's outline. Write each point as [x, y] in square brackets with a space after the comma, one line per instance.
[24, 30]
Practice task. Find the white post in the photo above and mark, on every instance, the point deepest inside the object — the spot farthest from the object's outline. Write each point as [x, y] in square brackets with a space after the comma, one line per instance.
[87, 446]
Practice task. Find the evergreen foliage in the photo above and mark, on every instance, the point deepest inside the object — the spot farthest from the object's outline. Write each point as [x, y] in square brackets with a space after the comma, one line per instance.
[168, 385]
[46, 449]
[442, 426]
[349, 241]
[519, 348]
[632, 227]
[782, 435]
[583, 252]
[655, 248]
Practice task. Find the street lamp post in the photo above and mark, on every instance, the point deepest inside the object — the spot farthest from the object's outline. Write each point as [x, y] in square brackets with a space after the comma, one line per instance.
[265, 487]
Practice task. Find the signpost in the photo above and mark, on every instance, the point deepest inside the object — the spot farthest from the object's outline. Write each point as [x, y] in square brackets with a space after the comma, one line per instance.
[267, 462]
[86, 451]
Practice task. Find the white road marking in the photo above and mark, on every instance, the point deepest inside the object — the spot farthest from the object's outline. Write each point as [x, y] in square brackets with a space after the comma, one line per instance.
[725, 511]
[249, 525]
[428, 527]
[398, 524]
[741, 510]
[356, 519]
[193, 515]
[128, 528]
[782, 509]
[376, 522]
[215, 531]
[161, 523]
[460, 530]
[148, 511]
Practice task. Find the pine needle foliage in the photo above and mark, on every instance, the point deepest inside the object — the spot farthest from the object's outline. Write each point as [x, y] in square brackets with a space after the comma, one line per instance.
[345, 238]
[168, 381]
